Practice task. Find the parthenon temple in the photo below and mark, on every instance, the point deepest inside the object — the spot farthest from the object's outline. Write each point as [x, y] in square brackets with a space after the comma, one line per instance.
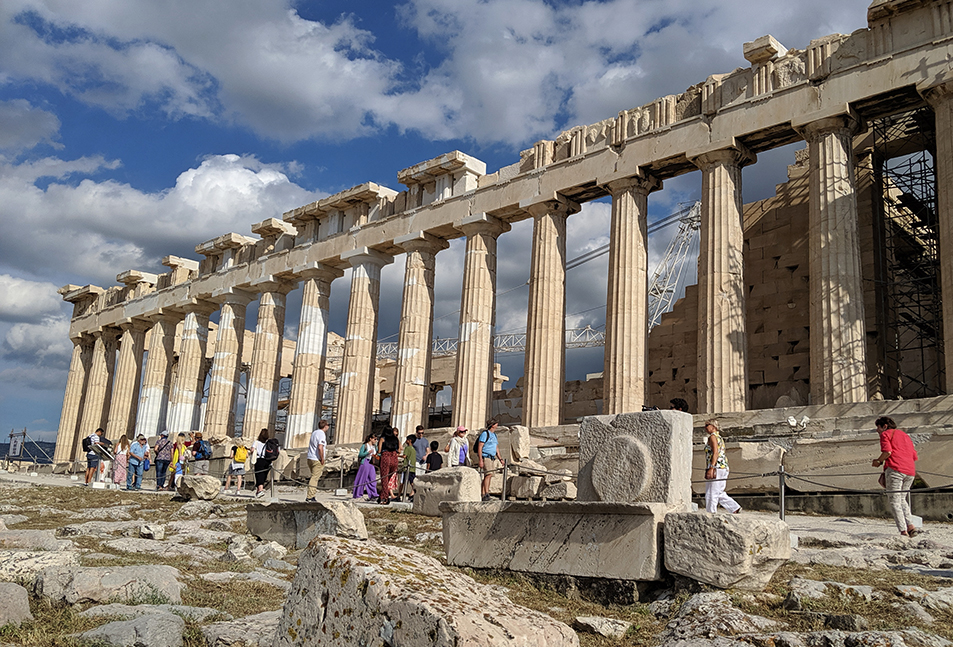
[805, 296]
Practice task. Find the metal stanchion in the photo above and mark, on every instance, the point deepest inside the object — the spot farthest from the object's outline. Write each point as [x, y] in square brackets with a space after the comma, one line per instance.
[506, 467]
[341, 485]
[781, 492]
[271, 473]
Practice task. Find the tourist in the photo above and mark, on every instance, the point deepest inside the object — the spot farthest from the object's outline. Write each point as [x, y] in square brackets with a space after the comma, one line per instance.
[421, 445]
[434, 460]
[487, 449]
[163, 453]
[121, 460]
[92, 458]
[316, 456]
[138, 453]
[365, 482]
[266, 451]
[201, 454]
[898, 457]
[716, 472]
[457, 448]
[236, 467]
[387, 450]
[408, 466]
[180, 459]
[678, 404]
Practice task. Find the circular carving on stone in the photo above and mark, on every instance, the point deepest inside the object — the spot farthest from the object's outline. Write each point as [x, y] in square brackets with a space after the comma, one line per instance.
[622, 470]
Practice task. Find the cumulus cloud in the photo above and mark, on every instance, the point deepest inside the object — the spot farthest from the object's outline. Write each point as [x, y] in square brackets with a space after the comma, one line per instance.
[45, 344]
[96, 229]
[22, 126]
[27, 301]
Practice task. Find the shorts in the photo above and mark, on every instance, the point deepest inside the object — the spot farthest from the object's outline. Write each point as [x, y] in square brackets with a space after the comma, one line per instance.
[92, 460]
[236, 469]
[408, 477]
[489, 464]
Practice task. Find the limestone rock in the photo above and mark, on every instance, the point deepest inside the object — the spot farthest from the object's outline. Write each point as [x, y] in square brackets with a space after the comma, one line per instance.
[202, 509]
[32, 540]
[153, 547]
[294, 525]
[202, 487]
[450, 484]
[101, 583]
[10, 520]
[197, 614]
[22, 566]
[636, 457]
[815, 589]
[252, 631]
[235, 553]
[259, 575]
[368, 593]
[152, 531]
[16, 604]
[268, 551]
[152, 630]
[940, 600]
[748, 549]
[708, 615]
[562, 490]
[529, 468]
[607, 627]
[557, 476]
[519, 443]
[278, 565]
[525, 487]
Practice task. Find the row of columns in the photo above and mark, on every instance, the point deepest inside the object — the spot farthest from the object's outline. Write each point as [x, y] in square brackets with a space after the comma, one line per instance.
[838, 361]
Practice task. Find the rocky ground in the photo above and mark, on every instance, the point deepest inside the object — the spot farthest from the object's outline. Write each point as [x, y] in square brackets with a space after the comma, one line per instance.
[80, 566]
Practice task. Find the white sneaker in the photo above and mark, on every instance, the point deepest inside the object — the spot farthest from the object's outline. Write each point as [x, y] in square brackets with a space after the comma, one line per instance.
[259, 494]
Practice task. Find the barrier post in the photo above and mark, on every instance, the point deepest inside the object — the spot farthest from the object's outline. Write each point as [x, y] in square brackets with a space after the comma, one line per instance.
[271, 473]
[341, 484]
[506, 467]
[781, 492]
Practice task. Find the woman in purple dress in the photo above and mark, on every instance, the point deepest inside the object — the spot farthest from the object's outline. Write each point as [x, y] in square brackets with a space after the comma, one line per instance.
[365, 483]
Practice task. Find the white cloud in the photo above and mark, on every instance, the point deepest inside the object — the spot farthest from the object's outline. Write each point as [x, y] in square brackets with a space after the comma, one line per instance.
[22, 126]
[41, 345]
[27, 301]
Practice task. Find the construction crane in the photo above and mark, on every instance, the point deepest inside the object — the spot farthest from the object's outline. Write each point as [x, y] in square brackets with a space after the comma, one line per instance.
[665, 286]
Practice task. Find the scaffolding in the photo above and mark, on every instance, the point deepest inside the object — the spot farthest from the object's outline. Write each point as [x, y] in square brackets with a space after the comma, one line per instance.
[906, 224]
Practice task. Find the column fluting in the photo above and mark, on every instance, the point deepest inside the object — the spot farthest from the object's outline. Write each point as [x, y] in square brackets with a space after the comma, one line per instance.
[261, 404]
[125, 398]
[66, 435]
[185, 403]
[225, 374]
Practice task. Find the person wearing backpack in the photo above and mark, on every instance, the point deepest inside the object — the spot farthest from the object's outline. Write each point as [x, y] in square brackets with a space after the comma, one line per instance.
[487, 450]
[236, 467]
[92, 458]
[201, 453]
[163, 450]
[266, 451]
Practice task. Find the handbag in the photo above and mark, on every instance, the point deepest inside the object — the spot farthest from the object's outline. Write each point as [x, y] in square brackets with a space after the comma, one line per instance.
[146, 465]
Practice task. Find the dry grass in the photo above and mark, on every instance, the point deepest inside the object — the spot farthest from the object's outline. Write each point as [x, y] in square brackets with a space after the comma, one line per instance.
[51, 626]
[236, 597]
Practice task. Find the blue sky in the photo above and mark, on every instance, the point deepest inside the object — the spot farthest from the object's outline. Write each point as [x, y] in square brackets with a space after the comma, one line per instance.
[133, 130]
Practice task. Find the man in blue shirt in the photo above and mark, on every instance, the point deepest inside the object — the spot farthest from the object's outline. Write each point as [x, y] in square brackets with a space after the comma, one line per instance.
[138, 453]
[489, 453]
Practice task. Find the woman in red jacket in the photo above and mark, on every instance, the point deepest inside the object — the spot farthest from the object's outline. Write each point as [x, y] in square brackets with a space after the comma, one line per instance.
[898, 455]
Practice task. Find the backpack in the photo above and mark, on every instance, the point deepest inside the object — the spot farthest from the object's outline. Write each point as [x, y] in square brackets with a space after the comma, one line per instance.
[477, 442]
[202, 451]
[271, 449]
[241, 454]
[87, 445]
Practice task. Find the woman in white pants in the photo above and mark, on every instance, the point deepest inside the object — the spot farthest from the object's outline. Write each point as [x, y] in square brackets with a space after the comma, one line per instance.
[716, 471]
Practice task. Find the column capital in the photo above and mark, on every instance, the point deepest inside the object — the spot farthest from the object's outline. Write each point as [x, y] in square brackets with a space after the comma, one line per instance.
[938, 89]
[481, 223]
[195, 306]
[315, 270]
[643, 184]
[134, 325]
[366, 256]
[421, 241]
[553, 203]
[272, 284]
[164, 315]
[232, 296]
[730, 151]
[825, 122]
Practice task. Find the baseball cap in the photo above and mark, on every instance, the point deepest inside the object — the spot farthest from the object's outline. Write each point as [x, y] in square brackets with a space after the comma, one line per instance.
[164, 432]
[461, 428]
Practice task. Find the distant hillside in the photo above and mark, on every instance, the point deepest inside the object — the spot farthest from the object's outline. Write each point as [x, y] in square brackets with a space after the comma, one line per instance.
[32, 451]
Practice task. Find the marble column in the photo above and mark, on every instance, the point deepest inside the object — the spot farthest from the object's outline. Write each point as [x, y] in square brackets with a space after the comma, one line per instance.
[473, 386]
[226, 365]
[125, 398]
[838, 337]
[411, 396]
[940, 98]
[261, 404]
[157, 377]
[185, 403]
[360, 345]
[625, 368]
[96, 404]
[67, 434]
[307, 382]
[544, 373]
[722, 338]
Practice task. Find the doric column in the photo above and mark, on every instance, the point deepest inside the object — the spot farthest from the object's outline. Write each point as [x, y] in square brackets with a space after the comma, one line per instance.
[185, 403]
[96, 404]
[360, 346]
[67, 434]
[125, 398]
[415, 340]
[838, 340]
[307, 380]
[722, 339]
[157, 377]
[940, 98]
[627, 298]
[261, 404]
[473, 385]
[226, 365]
[544, 374]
